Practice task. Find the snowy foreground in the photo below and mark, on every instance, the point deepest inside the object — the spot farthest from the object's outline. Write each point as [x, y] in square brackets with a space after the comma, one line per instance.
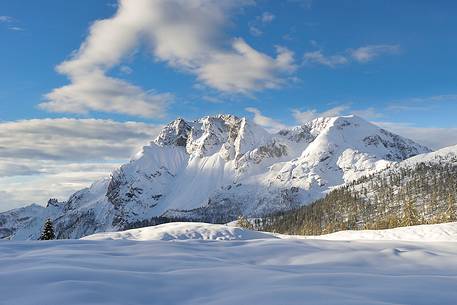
[201, 264]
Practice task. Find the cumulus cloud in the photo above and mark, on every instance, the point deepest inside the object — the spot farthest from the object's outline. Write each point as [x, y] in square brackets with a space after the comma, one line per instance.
[268, 123]
[187, 35]
[44, 158]
[368, 53]
[98, 92]
[245, 69]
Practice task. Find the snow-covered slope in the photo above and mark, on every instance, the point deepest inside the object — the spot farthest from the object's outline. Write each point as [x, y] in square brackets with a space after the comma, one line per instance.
[183, 231]
[444, 232]
[268, 271]
[447, 155]
[422, 233]
[26, 222]
[219, 167]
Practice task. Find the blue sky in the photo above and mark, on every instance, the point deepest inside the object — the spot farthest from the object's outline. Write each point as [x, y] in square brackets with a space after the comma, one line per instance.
[280, 63]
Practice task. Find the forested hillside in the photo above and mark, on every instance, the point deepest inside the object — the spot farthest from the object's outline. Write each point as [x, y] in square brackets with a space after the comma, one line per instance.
[423, 193]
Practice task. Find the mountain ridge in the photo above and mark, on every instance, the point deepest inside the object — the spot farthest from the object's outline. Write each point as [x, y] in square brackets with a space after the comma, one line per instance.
[219, 167]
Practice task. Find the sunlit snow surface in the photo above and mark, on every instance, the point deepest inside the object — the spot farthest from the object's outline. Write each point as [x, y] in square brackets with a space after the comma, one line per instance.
[178, 264]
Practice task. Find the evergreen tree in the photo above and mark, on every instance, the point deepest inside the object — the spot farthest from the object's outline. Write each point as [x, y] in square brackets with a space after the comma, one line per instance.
[48, 231]
[451, 214]
[425, 193]
[410, 215]
[243, 222]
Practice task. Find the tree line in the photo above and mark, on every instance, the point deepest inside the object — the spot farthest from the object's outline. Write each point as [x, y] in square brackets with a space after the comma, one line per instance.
[402, 196]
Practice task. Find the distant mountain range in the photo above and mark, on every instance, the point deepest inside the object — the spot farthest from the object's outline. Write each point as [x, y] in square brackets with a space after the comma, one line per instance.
[217, 168]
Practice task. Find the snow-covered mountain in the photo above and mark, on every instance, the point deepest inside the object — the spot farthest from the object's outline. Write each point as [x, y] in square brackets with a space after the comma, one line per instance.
[219, 167]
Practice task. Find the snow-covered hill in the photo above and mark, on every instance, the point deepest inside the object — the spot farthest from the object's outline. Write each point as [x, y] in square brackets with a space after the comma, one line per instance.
[269, 271]
[421, 233]
[444, 232]
[447, 155]
[183, 231]
[219, 167]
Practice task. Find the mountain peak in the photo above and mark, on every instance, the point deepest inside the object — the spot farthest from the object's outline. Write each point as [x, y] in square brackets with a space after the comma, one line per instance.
[219, 167]
[174, 133]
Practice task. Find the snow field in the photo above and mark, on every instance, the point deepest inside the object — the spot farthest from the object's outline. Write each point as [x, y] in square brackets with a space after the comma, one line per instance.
[245, 268]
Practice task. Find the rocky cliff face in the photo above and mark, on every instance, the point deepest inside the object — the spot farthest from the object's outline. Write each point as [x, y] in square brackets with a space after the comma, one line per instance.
[219, 167]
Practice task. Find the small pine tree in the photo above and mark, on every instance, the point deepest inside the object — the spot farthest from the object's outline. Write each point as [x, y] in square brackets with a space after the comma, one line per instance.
[451, 213]
[243, 222]
[48, 231]
[410, 215]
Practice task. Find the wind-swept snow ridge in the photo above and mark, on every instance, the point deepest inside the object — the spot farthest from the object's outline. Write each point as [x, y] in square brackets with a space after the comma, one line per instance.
[219, 167]
[183, 231]
[445, 232]
[421, 233]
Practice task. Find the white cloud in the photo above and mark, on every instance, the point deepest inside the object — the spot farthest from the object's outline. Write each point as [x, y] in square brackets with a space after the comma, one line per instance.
[125, 69]
[303, 117]
[255, 31]
[255, 26]
[268, 123]
[72, 139]
[361, 55]
[212, 99]
[368, 113]
[6, 19]
[8, 201]
[16, 28]
[245, 69]
[11, 23]
[10, 167]
[59, 180]
[368, 53]
[188, 35]
[319, 58]
[434, 138]
[55, 157]
[267, 17]
[422, 103]
[98, 92]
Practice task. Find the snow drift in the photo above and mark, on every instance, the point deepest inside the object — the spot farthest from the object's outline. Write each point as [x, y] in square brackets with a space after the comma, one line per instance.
[446, 232]
[421, 233]
[183, 231]
[266, 271]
